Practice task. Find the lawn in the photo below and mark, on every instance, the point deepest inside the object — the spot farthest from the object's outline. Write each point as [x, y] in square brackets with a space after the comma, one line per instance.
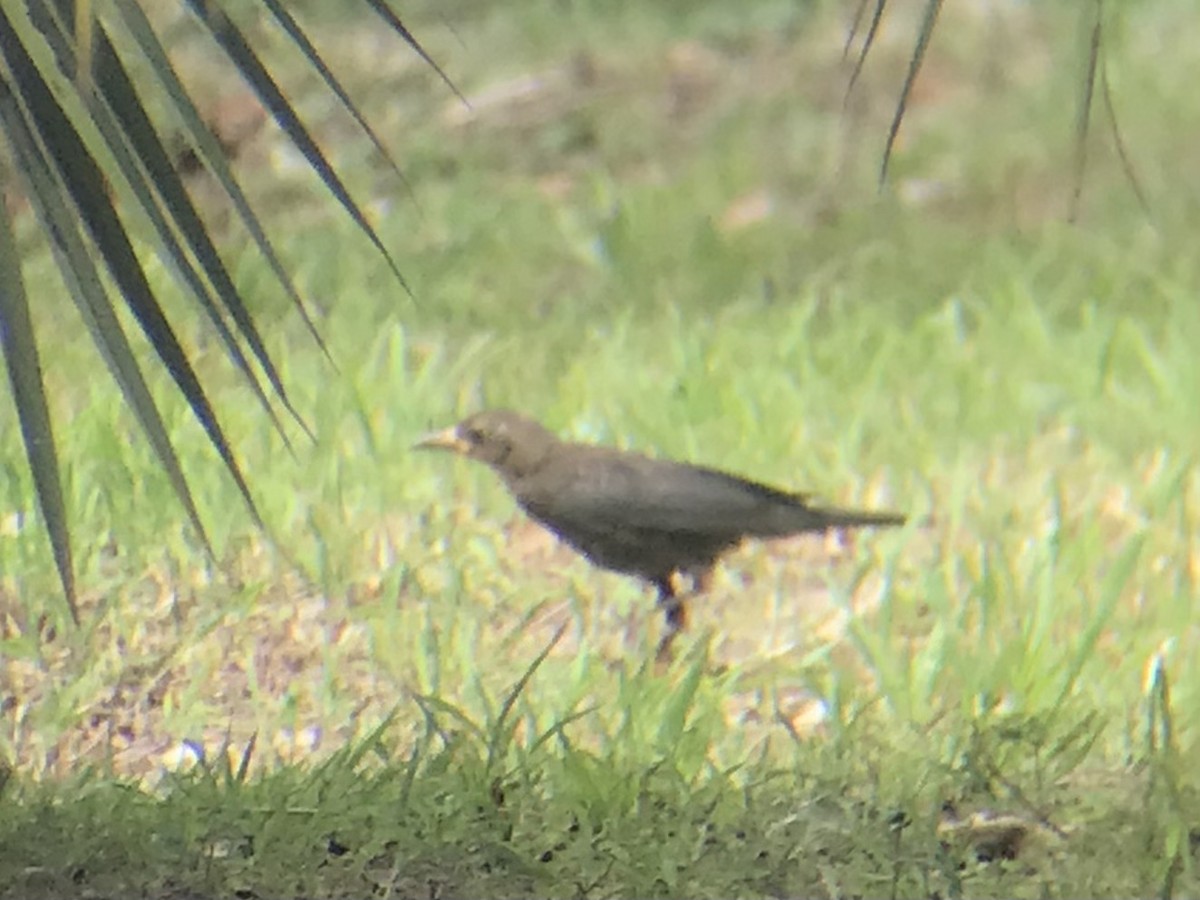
[657, 226]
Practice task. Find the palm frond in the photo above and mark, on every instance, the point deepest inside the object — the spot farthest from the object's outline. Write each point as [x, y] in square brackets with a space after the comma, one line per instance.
[99, 176]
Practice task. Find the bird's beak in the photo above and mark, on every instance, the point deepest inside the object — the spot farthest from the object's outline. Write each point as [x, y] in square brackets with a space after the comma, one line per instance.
[447, 439]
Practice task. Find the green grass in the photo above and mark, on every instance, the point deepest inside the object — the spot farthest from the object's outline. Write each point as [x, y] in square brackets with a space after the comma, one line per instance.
[1023, 387]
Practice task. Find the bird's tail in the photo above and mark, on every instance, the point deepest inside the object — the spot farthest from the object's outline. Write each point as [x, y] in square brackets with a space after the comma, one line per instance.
[859, 518]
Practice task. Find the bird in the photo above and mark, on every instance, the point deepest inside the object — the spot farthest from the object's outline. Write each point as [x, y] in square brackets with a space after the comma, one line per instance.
[655, 519]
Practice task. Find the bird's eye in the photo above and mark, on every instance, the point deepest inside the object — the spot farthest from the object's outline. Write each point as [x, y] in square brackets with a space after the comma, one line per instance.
[474, 436]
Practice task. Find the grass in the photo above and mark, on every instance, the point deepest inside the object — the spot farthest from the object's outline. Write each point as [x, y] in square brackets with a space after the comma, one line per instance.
[655, 249]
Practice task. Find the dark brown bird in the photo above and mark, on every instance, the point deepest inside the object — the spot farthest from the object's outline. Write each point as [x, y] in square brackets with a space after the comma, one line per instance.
[652, 518]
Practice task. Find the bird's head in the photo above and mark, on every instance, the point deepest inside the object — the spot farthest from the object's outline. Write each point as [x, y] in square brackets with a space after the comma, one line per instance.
[512, 444]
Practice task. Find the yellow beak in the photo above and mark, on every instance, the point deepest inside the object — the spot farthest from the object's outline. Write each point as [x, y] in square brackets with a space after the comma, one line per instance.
[447, 439]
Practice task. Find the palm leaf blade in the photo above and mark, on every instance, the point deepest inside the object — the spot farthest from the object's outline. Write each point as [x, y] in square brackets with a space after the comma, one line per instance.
[83, 180]
[230, 38]
[138, 27]
[29, 397]
[296, 33]
[95, 308]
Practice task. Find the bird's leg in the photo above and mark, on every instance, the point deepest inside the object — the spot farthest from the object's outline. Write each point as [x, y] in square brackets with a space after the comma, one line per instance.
[674, 611]
[702, 580]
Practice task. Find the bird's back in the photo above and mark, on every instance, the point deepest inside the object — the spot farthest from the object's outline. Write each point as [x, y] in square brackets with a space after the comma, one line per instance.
[637, 514]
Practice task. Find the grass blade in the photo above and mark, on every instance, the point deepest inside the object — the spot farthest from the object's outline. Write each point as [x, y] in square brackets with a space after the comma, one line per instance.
[498, 736]
[1114, 584]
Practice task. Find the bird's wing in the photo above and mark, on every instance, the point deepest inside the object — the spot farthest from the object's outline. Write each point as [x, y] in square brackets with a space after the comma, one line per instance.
[587, 490]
